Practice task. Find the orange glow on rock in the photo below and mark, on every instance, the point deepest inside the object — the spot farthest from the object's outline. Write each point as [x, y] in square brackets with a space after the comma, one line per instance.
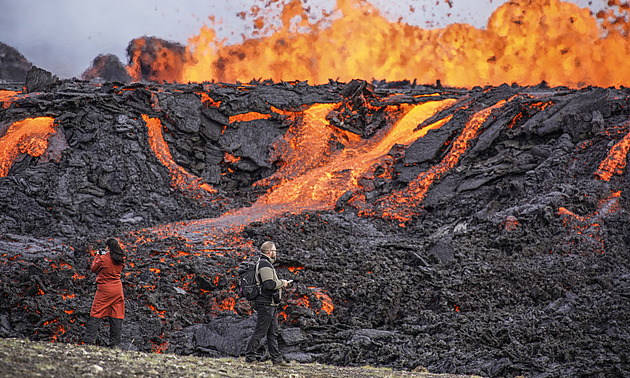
[402, 205]
[315, 175]
[250, 116]
[231, 159]
[160, 348]
[589, 225]
[159, 313]
[26, 136]
[7, 97]
[209, 101]
[227, 304]
[327, 304]
[180, 178]
[616, 160]
[511, 223]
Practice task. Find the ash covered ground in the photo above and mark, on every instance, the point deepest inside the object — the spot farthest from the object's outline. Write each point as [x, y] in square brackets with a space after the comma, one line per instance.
[494, 244]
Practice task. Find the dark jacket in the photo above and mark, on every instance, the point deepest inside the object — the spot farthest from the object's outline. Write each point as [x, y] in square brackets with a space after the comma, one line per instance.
[271, 292]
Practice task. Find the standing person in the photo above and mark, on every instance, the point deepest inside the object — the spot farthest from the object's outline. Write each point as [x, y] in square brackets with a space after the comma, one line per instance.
[266, 305]
[109, 300]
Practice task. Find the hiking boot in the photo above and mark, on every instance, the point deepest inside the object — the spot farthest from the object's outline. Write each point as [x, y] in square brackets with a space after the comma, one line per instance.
[281, 364]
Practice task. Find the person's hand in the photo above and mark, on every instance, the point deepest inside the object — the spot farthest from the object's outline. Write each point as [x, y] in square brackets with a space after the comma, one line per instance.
[285, 283]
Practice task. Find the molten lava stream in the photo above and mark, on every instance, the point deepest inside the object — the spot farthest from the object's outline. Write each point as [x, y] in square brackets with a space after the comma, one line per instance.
[7, 97]
[616, 160]
[321, 187]
[26, 136]
[318, 188]
[180, 178]
[401, 205]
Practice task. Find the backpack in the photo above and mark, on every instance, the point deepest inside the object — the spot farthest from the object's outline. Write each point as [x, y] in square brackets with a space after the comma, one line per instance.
[248, 281]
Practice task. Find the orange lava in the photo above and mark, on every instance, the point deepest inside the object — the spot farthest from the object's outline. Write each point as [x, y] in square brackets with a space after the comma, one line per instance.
[616, 160]
[314, 176]
[158, 312]
[7, 97]
[327, 304]
[180, 178]
[26, 136]
[402, 205]
[524, 41]
[250, 116]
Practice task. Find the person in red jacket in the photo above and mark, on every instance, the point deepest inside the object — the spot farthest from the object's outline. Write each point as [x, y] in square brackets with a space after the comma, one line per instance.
[109, 301]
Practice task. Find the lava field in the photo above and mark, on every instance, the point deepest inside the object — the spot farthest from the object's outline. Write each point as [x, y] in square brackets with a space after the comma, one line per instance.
[475, 231]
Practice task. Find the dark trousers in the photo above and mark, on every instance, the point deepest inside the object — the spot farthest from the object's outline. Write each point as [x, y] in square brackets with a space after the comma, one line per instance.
[92, 326]
[267, 325]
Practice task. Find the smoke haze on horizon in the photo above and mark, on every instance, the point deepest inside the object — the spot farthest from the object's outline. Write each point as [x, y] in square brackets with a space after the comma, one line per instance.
[64, 36]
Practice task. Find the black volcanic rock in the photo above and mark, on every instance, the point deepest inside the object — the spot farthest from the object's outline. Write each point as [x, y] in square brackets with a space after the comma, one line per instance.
[513, 262]
[40, 80]
[13, 65]
[107, 67]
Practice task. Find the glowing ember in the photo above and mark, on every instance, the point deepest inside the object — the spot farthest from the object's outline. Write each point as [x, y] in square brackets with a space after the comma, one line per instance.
[230, 159]
[27, 136]
[327, 304]
[587, 227]
[227, 304]
[294, 269]
[160, 348]
[158, 312]
[511, 223]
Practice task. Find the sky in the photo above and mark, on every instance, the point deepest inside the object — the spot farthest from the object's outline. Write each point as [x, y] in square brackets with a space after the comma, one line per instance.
[64, 36]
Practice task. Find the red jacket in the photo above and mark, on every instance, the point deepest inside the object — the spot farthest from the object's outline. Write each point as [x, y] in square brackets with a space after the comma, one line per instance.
[109, 299]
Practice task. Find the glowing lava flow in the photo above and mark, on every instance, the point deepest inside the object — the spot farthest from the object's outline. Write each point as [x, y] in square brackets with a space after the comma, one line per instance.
[316, 177]
[180, 178]
[402, 205]
[616, 160]
[321, 186]
[7, 97]
[26, 136]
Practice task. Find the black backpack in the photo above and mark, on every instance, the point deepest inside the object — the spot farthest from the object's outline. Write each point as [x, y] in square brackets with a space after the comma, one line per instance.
[248, 281]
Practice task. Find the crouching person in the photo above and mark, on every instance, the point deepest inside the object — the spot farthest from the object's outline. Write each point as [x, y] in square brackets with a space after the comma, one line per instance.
[109, 301]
